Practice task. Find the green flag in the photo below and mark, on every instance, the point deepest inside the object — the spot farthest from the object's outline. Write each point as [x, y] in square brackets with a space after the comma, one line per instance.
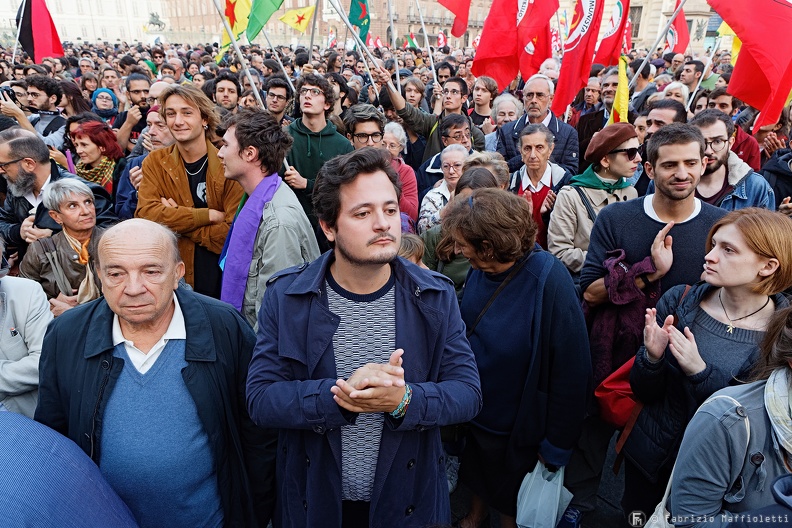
[260, 13]
[358, 16]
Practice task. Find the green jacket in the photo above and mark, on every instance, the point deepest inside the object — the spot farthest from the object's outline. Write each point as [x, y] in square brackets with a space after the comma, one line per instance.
[309, 152]
[428, 126]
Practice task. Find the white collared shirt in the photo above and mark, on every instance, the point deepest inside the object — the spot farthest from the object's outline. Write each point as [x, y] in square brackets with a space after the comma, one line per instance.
[545, 180]
[548, 117]
[141, 360]
[36, 200]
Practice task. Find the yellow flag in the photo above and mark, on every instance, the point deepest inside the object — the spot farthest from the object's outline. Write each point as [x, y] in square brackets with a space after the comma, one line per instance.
[237, 13]
[724, 31]
[298, 18]
[621, 102]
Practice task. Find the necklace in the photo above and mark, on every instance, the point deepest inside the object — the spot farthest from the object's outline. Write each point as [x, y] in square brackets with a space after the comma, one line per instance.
[730, 327]
[196, 173]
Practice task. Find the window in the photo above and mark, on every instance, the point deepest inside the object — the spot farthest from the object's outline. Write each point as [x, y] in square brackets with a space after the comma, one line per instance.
[84, 30]
[99, 8]
[635, 19]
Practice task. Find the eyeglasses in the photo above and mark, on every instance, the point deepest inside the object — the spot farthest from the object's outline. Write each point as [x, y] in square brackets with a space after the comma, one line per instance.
[316, 92]
[103, 98]
[631, 152]
[362, 137]
[538, 95]
[459, 136]
[448, 91]
[456, 167]
[7, 163]
[151, 100]
[278, 97]
[33, 94]
[138, 92]
[716, 144]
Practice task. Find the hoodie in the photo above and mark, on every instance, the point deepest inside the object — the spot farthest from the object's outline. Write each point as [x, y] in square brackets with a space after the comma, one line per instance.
[749, 189]
[309, 152]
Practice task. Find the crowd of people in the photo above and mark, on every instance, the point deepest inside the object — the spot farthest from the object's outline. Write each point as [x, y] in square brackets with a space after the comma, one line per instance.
[391, 279]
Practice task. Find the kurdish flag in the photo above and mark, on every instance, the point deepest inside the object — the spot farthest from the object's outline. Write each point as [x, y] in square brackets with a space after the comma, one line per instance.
[237, 13]
[260, 13]
[621, 102]
[298, 18]
[359, 17]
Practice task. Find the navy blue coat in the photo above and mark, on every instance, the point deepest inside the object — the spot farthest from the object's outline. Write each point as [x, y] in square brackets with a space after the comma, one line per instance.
[289, 382]
[78, 373]
[566, 148]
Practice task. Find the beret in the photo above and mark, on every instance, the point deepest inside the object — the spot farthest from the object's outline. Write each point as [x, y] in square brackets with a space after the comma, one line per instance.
[608, 139]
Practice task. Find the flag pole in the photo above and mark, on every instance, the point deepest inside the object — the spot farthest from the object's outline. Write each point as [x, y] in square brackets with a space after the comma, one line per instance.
[313, 28]
[277, 57]
[360, 43]
[19, 30]
[426, 41]
[238, 51]
[560, 34]
[660, 38]
[701, 79]
[393, 40]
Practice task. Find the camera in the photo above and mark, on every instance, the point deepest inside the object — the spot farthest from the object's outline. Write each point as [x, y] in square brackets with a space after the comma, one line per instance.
[9, 92]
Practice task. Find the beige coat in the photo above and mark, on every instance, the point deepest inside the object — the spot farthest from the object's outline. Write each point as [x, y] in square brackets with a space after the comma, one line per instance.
[570, 227]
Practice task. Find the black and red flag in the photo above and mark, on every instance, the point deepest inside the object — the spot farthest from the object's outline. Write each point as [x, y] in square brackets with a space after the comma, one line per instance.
[37, 33]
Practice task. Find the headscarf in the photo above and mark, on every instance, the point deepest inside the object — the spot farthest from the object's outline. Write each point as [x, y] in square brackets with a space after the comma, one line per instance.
[104, 114]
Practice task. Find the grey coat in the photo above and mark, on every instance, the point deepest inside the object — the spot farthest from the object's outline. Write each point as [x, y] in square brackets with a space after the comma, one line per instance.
[24, 316]
[719, 470]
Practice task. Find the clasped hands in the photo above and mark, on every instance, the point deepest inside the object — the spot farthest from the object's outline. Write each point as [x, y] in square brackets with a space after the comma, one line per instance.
[682, 345]
[374, 387]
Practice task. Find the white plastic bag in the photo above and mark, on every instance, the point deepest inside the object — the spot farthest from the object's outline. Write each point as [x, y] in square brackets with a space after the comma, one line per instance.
[542, 498]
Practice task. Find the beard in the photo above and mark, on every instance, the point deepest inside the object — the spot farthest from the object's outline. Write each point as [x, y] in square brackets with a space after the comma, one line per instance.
[709, 169]
[24, 184]
[381, 258]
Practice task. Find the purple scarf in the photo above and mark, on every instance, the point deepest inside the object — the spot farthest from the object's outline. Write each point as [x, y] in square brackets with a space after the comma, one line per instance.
[238, 251]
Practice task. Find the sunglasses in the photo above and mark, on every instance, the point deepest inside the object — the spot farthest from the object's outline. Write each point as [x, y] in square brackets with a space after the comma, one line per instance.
[631, 152]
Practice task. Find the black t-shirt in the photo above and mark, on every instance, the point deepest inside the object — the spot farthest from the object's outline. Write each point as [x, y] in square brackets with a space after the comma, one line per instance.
[477, 118]
[136, 130]
[205, 263]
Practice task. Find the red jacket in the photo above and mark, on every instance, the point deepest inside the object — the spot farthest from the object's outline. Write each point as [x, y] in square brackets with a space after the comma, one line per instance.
[409, 197]
[747, 148]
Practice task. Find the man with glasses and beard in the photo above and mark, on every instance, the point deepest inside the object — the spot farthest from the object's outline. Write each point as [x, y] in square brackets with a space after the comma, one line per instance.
[25, 164]
[537, 97]
[130, 124]
[728, 182]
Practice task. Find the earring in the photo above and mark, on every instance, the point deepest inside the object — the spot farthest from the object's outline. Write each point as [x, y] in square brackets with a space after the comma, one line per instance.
[206, 127]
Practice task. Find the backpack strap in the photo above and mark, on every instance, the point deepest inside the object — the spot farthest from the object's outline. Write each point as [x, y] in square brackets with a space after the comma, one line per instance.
[56, 123]
[51, 254]
[586, 203]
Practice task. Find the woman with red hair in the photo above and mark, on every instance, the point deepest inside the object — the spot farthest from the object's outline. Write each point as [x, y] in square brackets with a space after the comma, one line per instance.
[101, 158]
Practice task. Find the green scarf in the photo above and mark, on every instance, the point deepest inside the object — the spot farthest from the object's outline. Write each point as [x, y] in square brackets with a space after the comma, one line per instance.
[590, 180]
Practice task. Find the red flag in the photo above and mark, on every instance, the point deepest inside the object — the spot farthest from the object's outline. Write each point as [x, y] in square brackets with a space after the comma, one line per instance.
[378, 42]
[538, 50]
[578, 52]
[678, 36]
[762, 76]
[610, 46]
[461, 10]
[628, 36]
[555, 38]
[369, 40]
[476, 41]
[441, 39]
[503, 42]
[37, 34]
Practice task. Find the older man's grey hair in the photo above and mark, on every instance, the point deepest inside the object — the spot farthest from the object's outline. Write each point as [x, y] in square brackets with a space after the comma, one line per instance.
[453, 148]
[545, 78]
[398, 132]
[57, 192]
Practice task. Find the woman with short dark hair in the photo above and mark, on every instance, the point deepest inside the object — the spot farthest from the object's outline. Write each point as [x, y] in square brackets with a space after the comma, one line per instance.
[526, 329]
